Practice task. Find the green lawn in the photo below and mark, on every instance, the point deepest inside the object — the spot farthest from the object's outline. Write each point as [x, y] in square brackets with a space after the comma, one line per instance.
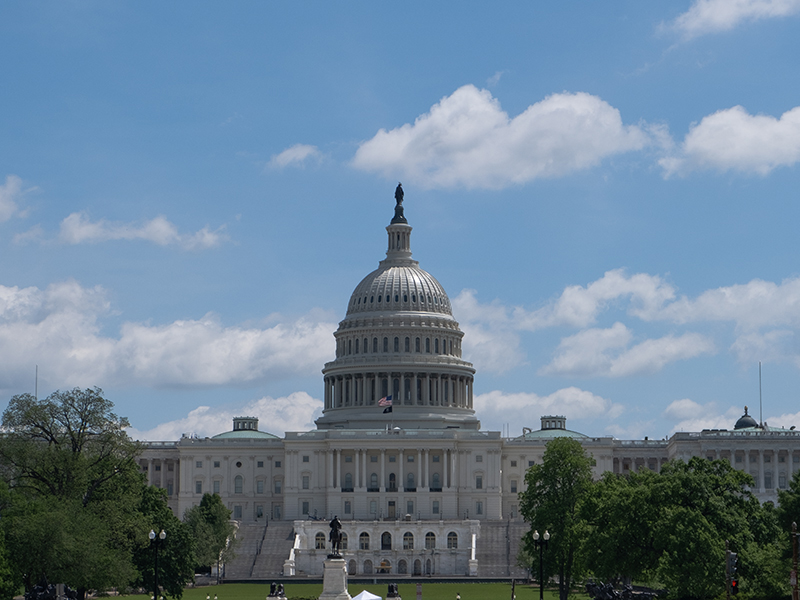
[430, 591]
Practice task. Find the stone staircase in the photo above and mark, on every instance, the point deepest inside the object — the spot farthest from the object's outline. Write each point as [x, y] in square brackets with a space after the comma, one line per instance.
[260, 550]
[498, 546]
[274, 550]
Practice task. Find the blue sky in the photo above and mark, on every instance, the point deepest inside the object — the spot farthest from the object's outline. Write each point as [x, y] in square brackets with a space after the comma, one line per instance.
[190, 192]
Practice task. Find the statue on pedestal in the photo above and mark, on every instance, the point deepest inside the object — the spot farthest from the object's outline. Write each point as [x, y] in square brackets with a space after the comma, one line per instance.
[335, 538]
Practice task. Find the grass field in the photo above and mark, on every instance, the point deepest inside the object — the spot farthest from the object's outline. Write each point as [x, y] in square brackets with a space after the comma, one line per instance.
[430, 591]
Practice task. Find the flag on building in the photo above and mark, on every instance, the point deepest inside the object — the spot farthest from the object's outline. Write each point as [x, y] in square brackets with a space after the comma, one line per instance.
[388, 409]
[385, 401]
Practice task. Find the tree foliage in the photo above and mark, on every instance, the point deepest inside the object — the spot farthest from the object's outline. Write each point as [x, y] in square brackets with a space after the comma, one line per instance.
[552, 501]
[212, 528]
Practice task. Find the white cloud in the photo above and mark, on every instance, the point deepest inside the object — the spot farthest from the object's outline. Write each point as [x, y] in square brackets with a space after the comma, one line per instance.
[10, 192]
[688, 415]
[734, 140]
[712, 16]
[295, 412]
[59, 329]
[77, 228]
[295, 156]
[490, 340]
[468, 141]
[607, 353]
[495, 407]
[579, 306]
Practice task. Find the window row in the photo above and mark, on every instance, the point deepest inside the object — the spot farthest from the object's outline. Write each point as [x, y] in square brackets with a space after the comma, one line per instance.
[320, 541]
[238, 485]
[380, 299]
[426, 345]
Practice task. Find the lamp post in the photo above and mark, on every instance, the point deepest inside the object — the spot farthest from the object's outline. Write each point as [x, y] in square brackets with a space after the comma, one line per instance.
[155, 541]
[541, 544]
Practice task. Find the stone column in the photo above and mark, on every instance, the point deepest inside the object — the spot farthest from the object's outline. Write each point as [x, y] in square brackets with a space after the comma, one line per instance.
[420, 482]
[760, 481]
[383, 471]
[426, 473]
[401, 485]
[357, 460]
[329, 474]
[338, 468]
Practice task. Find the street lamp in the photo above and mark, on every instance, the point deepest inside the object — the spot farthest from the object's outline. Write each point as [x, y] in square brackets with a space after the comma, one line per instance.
[542, 544]
[155, 541]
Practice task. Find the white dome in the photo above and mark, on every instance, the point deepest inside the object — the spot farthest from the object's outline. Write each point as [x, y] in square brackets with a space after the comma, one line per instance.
[399, 288]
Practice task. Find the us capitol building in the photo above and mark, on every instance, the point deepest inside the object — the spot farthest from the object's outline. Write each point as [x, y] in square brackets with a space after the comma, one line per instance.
[420, 491]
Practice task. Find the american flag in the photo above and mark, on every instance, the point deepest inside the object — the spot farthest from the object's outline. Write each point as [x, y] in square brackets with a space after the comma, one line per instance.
[385, 401]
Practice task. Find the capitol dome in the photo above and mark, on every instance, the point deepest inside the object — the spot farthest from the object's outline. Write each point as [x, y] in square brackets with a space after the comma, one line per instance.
[398, 346]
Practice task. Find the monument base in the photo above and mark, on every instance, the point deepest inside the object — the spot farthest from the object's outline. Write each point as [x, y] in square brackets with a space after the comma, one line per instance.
[334, 580]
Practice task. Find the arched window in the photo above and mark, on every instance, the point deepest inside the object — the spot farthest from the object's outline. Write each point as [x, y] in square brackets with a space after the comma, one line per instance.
[366, 346]
[410, 482]
[351, 567]
[416, 345]
[402, 567]
[349, 346]
[436, 484]
[392, 483]
[436, 346]
[428, 345]
[356, 345]
[374, 344]
[397, 344]
[319, 541]
[386, 541]
[363, 541]
[344, 541]
[386, 344]
[452, 541]
[348, 481]
[408, 345]
[238, 483]
[430, 540]
[408, 541]
[367, 567]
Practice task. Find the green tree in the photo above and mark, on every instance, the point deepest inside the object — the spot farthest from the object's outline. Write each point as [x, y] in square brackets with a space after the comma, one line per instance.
[552, 501]
[212, 529]
[74, 486]
[177, 556]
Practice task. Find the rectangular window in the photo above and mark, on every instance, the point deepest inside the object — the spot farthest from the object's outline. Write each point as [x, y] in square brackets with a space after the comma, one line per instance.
[513, 486]
[479, 458]
[277, 486]
[781, 459]
[753, 458]
[305, 507]
[260, 486]
[410, 458]
[170, 467]
[216, 464]
[738, 458]
[198, 464]
[305, 482]
[373, 459]
[410, 507]
[216, 486]
[479, 483]
[170, 489]
[237, 511]
[436, 458]
[347, 459]
[198, 487]
[767, 458]
[392, 459]
[373, 507]
[513, 463]
[259, 511]
[435, 509]
[260, 464]
[277, 464]
[158, 467]
[305, 459]
[796, 458]
[530, 463]
[782, 481]
[348, 507]
[479, 508]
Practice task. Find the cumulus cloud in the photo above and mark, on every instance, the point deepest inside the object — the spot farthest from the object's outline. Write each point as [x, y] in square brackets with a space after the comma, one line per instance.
[295, 412]
[77, 228]
[713, 16]
[571, 402]
[467, 141]
[10, 193]
[734, 140]
[608, 353]
[59, 328]
[295, 156]
[688, 415]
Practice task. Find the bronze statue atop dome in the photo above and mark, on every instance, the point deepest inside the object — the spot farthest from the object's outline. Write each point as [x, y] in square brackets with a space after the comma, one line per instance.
[398, 209]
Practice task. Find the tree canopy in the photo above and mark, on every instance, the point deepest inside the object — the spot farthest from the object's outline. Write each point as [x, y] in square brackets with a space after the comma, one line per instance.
[210, 522]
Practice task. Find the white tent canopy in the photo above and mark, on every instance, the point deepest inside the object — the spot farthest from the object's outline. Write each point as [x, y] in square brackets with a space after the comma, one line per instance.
[365, 595]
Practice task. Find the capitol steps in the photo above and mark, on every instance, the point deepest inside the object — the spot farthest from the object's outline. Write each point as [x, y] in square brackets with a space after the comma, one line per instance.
[498, 547]
[247, 544]
[274, 550]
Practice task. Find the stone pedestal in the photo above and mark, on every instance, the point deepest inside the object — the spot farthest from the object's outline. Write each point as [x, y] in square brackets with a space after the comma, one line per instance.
[473, 568]
[334, 580]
